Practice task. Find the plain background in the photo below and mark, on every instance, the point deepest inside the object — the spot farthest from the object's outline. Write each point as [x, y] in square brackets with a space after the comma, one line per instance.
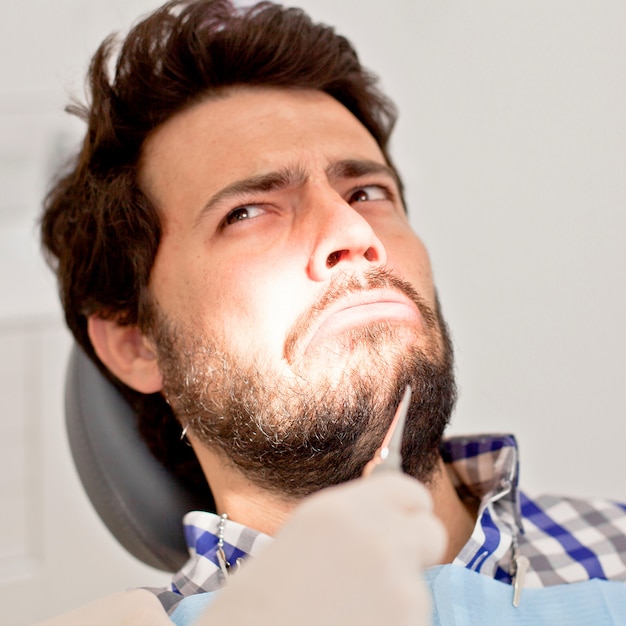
[512, 145]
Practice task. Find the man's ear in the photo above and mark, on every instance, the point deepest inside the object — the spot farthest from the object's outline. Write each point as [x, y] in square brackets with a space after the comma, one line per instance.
[127, 353]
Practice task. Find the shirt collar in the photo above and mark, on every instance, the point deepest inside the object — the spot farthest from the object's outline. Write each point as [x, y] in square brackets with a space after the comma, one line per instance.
[484, 467]
[202, 571]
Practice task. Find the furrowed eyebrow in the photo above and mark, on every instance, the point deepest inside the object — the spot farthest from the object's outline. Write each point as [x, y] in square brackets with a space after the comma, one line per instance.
[291, 177]
[272, 181]
[355, 168]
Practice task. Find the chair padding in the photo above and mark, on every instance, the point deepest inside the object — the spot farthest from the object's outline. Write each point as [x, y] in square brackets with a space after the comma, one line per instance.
[139, 500]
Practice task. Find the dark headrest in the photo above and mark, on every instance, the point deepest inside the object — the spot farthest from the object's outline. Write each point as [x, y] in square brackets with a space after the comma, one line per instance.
[139, 500]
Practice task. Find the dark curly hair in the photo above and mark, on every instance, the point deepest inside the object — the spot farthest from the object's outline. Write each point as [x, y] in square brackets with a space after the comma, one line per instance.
[99, 231]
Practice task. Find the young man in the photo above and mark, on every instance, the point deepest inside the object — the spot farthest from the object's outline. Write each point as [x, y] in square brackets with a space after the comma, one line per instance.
[234, 252]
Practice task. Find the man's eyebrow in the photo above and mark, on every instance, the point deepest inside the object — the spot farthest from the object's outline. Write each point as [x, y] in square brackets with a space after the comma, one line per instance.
[355, 168]
[292, 176]
[272, 181]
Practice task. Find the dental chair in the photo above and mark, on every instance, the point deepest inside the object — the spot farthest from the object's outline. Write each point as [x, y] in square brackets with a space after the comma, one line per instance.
[140, 501]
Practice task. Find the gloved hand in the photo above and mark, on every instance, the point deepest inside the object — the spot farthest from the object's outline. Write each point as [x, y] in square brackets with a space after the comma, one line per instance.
[351, 554]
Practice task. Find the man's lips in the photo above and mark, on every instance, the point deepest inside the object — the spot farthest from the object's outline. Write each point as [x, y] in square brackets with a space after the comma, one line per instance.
[360, 309]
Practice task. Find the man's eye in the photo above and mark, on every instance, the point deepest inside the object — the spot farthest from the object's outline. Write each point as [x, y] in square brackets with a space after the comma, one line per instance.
[242, 213]
[368, 194]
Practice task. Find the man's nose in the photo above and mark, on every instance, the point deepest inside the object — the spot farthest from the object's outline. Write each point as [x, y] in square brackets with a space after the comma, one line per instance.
[344, 239]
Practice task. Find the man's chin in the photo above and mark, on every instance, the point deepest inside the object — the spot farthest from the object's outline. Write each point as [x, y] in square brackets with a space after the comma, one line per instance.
[374, 347]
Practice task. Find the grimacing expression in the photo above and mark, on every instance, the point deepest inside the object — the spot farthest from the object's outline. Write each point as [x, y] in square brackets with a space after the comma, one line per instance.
[292, 300]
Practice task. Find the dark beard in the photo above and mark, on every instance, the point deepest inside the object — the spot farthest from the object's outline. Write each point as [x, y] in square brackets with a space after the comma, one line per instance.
[292, 437]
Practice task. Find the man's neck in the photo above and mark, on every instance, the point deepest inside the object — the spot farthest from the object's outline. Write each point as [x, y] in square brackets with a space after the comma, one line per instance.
[458, 517]
[246, 503]
[240, 498]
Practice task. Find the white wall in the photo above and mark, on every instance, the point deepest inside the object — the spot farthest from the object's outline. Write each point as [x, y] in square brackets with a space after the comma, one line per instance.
[512, 143]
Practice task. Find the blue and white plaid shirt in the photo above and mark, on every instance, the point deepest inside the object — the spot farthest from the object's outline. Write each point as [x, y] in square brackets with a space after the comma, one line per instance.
[566, 540]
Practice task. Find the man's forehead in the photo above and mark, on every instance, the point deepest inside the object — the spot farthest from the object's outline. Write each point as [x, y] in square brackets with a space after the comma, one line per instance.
[229, 109]
[257, 132]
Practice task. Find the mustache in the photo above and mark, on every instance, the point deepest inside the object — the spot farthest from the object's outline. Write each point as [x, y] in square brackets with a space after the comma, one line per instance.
[342, 285]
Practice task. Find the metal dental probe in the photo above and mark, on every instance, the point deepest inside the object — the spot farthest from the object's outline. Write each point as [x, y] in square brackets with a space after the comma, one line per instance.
[389, 455]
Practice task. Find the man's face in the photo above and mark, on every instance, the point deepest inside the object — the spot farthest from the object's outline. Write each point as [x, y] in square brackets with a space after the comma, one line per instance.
[288, 283]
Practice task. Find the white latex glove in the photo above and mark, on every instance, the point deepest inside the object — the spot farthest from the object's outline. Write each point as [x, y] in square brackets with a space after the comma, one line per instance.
[351, 554]
[131, 608]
